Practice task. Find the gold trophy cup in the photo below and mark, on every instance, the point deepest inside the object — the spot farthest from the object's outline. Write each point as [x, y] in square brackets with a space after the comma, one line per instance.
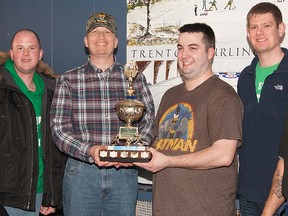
[129, 110]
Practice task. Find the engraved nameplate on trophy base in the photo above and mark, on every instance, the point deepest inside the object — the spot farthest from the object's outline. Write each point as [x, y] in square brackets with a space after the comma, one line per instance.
[125, 154]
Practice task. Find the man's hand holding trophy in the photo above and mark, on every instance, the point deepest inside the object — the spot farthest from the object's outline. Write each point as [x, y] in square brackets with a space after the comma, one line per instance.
[129, 110]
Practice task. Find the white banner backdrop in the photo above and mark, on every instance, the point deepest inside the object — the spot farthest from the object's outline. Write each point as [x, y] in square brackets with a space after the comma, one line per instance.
[154, 47]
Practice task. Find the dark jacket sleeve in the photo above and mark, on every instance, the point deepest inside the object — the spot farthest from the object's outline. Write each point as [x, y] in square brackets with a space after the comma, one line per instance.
[58, 168]
[55, 164]
[3, 211]
[283, 152]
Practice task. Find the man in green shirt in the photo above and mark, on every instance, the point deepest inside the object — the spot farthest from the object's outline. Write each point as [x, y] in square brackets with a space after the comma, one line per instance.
[31, 167]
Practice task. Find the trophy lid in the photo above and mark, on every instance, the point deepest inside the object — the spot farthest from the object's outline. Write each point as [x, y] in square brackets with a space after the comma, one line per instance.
[130, 71]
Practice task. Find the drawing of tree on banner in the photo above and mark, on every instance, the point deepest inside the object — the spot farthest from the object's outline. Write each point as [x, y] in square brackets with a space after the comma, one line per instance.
[145, 34]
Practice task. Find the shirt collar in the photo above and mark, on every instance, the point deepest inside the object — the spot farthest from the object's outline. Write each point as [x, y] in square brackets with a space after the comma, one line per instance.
[98, 70]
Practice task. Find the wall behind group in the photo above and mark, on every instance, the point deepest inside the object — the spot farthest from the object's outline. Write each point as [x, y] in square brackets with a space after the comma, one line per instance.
[60, 25]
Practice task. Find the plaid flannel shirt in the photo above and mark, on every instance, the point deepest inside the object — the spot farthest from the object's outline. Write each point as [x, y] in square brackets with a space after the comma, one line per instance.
[83, 110]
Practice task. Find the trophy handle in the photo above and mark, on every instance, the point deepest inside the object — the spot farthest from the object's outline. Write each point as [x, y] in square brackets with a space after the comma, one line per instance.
[115, 140]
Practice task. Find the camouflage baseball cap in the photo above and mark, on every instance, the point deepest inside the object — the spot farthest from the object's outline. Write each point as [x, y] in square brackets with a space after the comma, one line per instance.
[101, 19]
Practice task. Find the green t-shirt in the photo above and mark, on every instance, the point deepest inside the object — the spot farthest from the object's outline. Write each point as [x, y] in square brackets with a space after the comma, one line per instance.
[261, 75]
[36, 99]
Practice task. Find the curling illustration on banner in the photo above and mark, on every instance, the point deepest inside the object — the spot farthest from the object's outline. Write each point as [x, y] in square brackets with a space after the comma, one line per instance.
[129, 110]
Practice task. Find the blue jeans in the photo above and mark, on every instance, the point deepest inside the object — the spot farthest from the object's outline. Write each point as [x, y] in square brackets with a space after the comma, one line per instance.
[248, 208]
[89, 190]
[19, 212]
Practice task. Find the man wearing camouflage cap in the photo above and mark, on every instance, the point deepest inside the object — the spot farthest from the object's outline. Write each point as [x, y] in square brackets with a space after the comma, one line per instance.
[84, 120]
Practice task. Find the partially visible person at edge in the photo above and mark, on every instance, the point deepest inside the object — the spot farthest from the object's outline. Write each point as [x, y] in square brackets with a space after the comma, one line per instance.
[84, 120]
[279, 188]
[198, 128]
[31, 166]
[263, 89]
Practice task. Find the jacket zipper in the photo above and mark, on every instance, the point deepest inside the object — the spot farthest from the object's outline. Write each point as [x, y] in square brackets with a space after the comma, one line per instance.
[30, 190]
